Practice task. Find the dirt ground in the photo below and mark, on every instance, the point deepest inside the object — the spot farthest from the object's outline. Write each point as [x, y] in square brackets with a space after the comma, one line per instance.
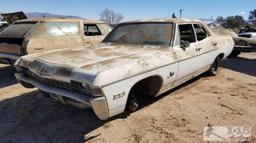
[177, 116]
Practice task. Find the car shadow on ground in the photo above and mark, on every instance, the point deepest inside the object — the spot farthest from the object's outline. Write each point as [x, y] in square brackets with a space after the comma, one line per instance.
[7, 77]
[240, 64]
[33, 117]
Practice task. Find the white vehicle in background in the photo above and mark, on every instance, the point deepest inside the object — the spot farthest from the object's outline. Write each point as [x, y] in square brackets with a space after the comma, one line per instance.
[139, 58]
[246, 41]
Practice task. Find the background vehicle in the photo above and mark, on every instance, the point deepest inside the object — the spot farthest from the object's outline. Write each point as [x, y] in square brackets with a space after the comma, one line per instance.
[137, 59]
[9, 18]
[246, 41]
[39, 35]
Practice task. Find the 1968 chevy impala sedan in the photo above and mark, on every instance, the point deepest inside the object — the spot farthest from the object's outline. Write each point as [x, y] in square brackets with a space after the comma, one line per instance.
[138, 58]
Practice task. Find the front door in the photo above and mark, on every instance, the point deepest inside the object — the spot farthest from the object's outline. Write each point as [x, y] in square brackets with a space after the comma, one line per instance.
[186, 54]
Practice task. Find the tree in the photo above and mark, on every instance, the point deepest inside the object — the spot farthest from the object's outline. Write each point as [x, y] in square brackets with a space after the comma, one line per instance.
[173, 15]
[252, 16]
[234, 22]
[220, 19]
[111, 17]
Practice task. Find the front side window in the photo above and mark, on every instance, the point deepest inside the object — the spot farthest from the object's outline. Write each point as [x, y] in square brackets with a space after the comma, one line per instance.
[200, 32]
[142, 34]
[56, 29]
[17, 30]
[187, 33]
[91, 30]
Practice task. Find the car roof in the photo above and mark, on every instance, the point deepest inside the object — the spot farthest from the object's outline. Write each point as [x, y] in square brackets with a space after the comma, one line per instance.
[61, 20]
[172, 20]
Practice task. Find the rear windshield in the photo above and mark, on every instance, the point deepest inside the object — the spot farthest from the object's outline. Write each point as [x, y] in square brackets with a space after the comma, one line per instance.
[56, 29]
[141, 33]
[17, 30]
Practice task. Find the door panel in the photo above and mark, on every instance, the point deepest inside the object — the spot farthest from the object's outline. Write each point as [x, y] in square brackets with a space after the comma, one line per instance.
[186, 55]
[187, 61]
[42, 44]
[206, 45]
[205, 52]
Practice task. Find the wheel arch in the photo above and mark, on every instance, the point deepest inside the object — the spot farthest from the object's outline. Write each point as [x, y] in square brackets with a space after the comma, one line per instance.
[147, 86]
[221, 55]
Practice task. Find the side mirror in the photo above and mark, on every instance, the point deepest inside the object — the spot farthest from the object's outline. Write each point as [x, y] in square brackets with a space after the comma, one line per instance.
[184, 44]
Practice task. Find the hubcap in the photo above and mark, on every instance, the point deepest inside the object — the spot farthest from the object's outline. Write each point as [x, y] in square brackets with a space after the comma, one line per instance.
[133, 106]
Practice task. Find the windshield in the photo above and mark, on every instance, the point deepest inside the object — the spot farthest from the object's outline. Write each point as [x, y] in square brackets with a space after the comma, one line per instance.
[141, 33]
[17, 30]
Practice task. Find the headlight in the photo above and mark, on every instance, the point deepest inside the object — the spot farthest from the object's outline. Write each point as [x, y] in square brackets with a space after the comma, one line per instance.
[93, 90]
[87, 89]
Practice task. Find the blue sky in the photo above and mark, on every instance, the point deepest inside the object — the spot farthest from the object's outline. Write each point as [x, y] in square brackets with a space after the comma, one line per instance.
[134, 9]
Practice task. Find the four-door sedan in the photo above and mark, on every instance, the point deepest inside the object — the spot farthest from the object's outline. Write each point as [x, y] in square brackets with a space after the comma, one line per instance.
[31, 36]
[139, 58]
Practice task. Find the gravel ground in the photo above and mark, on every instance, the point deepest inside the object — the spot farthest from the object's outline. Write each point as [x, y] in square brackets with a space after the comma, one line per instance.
[228, 99]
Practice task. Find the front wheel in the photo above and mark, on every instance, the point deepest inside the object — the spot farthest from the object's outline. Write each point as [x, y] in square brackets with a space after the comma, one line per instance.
[213, 71]
[132, 104]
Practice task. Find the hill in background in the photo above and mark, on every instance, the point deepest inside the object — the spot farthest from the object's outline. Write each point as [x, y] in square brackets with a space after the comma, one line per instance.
[47, 15]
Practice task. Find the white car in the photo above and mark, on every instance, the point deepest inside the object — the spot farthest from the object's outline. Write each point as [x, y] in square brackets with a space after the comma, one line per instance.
[246, 41]
[139, 58]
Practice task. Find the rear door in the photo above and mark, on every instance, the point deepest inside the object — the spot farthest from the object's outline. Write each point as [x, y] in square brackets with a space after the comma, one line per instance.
[206, 46]
[92, 34]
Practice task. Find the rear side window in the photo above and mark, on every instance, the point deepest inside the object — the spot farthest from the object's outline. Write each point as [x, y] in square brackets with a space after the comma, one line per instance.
[56, 29]
[17, 30]
[187, 33]
[91, 30]
[200, 32]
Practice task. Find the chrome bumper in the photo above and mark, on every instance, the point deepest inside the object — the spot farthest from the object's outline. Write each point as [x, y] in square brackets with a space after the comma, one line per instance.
[99, 104]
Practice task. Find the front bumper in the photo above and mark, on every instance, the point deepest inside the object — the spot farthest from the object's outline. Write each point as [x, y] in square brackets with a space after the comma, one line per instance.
[98, 104]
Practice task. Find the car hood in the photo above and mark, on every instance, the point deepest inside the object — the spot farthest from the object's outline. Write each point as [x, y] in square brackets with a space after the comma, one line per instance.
[12, 17]
[93, 61]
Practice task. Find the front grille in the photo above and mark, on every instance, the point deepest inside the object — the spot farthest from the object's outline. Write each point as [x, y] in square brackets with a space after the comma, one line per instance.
[241, 43]
[50, 82]
[246, 35]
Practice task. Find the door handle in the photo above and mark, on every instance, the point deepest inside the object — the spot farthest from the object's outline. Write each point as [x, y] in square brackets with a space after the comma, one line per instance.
[89, 43]
[215, 43]
[198, 49]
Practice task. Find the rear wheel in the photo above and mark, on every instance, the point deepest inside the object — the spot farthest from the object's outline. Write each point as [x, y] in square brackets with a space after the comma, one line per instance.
[213, 71]
[235, 53]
